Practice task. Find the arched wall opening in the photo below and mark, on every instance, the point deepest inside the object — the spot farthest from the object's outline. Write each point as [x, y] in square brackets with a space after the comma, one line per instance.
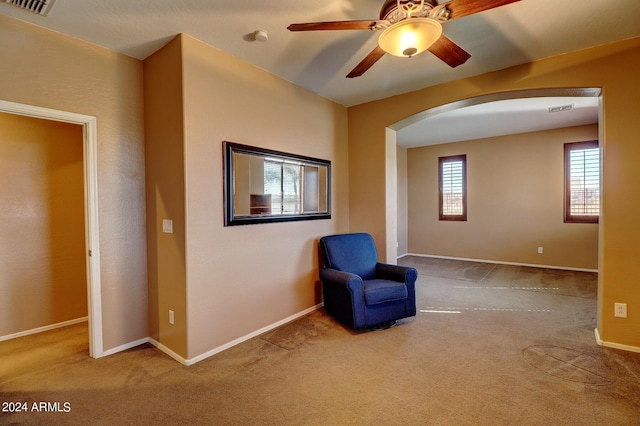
[395, 230]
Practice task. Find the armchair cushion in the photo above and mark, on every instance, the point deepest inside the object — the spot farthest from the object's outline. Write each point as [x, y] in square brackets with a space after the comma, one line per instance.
[380, 291]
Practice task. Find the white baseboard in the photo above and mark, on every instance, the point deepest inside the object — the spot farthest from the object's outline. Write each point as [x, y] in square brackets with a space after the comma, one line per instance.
[498, 262]
[168, 351]
[601, 342]
[235, 342]
[126, 346]
[45, 328]
[251, 335]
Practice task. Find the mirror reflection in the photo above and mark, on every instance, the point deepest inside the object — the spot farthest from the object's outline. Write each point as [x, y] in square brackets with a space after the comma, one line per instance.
[265, 185]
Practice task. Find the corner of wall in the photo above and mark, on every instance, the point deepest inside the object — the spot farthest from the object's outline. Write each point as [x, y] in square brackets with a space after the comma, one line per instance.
[165, 196]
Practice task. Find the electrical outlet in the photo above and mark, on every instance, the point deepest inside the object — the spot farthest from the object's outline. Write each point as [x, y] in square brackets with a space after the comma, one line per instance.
[540, 250]
[167, 226]
[620, 310]
[171, 317]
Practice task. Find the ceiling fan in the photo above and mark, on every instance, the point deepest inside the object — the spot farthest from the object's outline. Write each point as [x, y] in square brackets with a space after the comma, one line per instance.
[409, 28]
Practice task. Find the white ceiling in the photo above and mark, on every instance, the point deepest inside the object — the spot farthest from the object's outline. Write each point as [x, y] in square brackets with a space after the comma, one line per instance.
[499, 118]
[319, 61]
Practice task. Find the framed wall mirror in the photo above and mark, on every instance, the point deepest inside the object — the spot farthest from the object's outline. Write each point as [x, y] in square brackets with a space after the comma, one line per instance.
[262, 185]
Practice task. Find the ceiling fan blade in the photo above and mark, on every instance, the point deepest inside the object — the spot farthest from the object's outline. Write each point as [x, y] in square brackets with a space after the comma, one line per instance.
[449, 52]
[367, 62]
[460, 8]
[336, 25]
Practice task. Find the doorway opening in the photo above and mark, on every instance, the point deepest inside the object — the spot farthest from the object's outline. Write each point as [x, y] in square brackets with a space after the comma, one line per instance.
[90, 174]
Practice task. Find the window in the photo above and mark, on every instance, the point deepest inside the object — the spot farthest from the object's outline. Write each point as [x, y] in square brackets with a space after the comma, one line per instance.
[453, 187]
[582, 182]
[284, 181]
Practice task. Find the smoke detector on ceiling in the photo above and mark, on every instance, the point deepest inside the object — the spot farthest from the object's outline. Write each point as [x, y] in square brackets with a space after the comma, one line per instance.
[261, 35]
[39, 7]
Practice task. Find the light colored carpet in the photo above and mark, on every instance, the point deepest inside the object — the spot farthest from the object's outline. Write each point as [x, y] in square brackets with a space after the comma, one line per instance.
[509, 345]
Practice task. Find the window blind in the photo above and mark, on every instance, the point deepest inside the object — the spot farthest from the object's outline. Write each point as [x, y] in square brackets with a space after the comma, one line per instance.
[291, 188]
[452, 188]
[284, 182]
[584, 182]
[273, 184]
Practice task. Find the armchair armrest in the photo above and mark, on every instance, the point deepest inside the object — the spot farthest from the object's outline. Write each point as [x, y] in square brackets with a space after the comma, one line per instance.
[343, 296]
[352, 282]
[403, 274]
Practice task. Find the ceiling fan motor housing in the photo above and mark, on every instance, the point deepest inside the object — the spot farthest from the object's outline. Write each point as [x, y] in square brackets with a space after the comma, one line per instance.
[390, 11]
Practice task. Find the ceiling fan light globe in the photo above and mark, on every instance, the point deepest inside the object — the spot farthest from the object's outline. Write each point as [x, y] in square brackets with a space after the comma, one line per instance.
[410, 37]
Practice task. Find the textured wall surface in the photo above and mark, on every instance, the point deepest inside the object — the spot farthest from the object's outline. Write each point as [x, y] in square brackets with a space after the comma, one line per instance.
[50, 70]
[515, 199]
[235, 280]
[43, 278]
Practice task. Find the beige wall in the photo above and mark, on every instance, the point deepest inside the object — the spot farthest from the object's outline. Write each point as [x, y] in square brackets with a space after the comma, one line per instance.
[243, 278]
[403, 202]
[367, 180]
[47, 69]
[515, 190]
[42, 249]
[614, 68]
[165, 178]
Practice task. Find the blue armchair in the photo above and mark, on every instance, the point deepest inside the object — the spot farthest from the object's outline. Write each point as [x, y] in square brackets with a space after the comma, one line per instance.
[358, 290]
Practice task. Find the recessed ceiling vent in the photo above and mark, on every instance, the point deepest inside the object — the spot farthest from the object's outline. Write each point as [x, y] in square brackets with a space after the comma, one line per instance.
[40, 7]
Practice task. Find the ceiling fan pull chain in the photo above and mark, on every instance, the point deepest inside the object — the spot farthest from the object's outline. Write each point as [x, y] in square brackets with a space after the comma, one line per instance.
[410, 6]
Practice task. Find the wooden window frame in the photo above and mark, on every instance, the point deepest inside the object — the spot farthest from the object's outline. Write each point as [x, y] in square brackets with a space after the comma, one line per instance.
[450, 159]
[568, 217]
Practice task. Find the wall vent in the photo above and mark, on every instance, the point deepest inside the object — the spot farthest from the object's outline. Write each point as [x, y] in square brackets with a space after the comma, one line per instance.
[40, 7]
[561, 108]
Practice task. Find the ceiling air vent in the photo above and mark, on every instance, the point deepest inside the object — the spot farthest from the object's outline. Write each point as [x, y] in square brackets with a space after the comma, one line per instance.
[41, 7]
[561, 108]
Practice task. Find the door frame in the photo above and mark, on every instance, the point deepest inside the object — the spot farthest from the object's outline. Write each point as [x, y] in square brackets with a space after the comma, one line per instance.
[92, 234]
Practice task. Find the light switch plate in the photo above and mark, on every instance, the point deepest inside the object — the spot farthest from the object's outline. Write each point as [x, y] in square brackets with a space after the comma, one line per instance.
[167, 226]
